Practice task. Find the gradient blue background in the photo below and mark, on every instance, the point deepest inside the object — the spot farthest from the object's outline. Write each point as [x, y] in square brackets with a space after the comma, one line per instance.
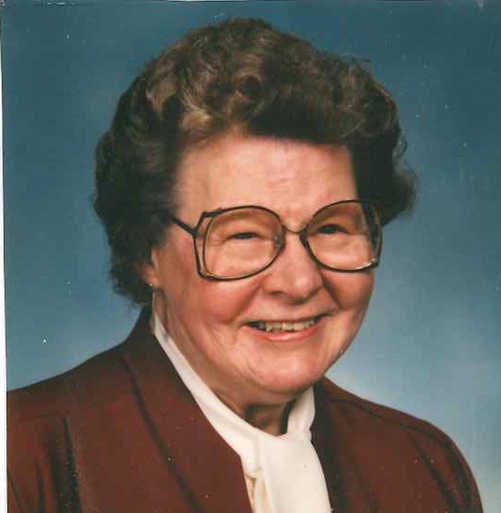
[431, 342]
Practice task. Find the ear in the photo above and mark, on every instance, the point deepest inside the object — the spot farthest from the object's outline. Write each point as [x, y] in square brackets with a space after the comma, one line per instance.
[149, 270]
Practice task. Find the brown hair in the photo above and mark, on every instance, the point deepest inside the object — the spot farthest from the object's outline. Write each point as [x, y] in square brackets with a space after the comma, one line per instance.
[239, 73]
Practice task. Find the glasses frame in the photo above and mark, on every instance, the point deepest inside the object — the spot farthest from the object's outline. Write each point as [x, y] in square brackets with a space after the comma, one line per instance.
[200, 260]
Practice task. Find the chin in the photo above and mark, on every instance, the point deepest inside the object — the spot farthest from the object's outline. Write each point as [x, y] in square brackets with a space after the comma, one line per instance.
[291, 385]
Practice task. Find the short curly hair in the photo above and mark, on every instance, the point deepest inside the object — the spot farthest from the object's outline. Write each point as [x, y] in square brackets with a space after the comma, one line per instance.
[241, 73]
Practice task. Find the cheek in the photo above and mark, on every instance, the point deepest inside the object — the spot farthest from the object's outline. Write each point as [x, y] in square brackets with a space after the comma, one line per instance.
[351, 291]
[223, 303]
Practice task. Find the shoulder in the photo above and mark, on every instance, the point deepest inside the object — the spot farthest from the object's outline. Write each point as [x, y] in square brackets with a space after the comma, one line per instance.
[369, 416]
[378, 441]
[98, 380]
[78, 414]
[389, 436]
[43, 422]
[385, 433]
[370, 421]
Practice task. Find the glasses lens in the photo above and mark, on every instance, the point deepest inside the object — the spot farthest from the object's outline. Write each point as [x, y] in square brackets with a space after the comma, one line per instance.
[345, 236]
[240, 242]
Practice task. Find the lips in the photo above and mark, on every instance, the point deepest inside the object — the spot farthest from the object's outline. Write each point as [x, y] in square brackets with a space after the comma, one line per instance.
[284, 326]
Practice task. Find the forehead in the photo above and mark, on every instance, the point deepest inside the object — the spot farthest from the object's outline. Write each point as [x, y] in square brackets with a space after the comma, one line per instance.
[293, 178]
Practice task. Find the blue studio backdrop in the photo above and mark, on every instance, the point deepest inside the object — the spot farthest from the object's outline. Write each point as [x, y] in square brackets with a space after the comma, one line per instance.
[431, 342]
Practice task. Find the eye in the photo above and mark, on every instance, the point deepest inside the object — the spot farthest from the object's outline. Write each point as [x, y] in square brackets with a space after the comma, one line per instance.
[330, 229]
[243, 236]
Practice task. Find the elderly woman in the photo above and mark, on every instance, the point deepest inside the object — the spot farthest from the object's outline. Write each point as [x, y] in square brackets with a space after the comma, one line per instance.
[243, 186]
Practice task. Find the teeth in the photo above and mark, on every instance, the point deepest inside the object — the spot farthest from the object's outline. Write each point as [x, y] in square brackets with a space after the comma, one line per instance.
[283, 326]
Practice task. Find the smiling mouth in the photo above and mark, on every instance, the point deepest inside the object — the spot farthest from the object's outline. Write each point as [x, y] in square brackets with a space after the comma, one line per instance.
[281, 326]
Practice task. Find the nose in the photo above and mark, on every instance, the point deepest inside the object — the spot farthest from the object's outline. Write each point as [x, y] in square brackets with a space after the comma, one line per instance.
[294, 274]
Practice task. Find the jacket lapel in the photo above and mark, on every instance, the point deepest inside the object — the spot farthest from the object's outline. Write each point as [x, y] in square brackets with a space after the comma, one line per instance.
[333, 438]
[207, 468]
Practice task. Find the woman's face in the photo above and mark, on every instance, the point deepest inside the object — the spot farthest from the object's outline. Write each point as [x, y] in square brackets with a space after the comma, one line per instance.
[209, 321]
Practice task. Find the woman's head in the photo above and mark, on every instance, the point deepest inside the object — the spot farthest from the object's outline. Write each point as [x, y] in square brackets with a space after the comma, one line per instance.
[262, 339]
[240, 114]
[240, 76]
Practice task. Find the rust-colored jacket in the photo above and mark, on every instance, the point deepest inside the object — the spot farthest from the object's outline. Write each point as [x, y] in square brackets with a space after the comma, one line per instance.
[122, 434]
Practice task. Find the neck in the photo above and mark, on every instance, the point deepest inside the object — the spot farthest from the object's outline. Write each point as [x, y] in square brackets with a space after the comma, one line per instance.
[270, 418]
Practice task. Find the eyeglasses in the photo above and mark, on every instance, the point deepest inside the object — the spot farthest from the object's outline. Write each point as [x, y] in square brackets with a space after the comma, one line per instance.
[239, 242]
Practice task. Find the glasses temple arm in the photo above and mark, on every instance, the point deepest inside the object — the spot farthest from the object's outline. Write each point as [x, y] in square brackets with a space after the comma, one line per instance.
[181, 224]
